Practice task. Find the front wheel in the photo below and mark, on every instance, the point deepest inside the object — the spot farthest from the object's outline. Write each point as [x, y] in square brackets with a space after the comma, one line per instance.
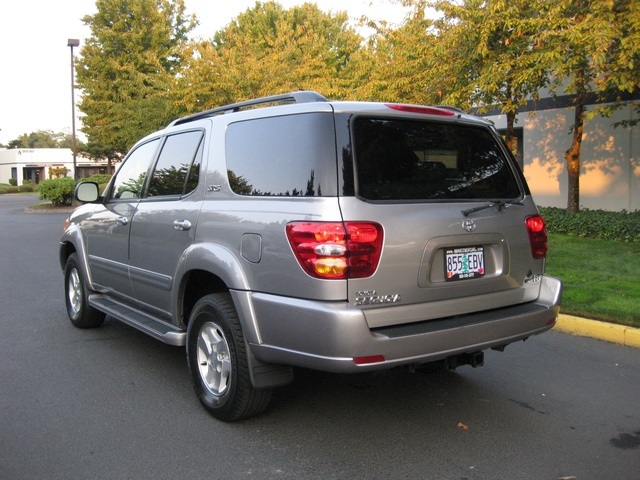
[217, 359]
[81, 314]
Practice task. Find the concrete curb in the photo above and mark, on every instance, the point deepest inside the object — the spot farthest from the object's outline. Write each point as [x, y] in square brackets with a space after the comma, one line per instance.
[621, 334]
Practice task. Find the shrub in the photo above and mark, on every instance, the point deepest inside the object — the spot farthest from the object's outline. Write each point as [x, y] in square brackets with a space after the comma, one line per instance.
[26, 188]
[58, 172]
[13, 182]
[58, 190]
[621, 226]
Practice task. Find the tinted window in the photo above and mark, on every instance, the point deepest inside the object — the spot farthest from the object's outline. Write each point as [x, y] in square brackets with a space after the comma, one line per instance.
[178, 166]
[286, 156]
[413, 160]
[130, 178]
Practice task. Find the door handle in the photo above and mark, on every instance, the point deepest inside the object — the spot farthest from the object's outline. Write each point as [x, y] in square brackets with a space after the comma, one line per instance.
[122, 221]
[182, 225]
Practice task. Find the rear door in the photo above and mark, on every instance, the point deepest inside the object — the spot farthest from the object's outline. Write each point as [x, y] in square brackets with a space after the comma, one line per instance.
[165, 221]
[453, 208]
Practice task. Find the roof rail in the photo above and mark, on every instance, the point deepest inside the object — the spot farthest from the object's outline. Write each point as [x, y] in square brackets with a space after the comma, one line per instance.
[303, 96]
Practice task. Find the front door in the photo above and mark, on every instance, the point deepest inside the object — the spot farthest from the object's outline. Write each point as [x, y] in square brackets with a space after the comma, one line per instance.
[107, 230]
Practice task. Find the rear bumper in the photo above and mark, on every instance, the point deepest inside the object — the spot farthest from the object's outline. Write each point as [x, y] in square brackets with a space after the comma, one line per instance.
[328, 336]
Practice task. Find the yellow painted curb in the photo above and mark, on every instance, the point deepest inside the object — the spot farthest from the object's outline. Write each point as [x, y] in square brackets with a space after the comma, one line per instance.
[609, 332]
[633, 337]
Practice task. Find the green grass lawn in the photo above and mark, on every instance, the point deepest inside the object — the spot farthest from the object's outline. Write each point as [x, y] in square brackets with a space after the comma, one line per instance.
[601, 277]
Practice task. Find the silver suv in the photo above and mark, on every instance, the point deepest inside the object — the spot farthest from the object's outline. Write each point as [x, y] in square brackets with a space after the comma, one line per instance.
[339, 236]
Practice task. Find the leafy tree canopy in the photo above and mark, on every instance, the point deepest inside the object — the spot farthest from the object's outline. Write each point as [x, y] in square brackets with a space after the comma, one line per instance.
[139, 70]
[43, 139]
[593, 47]
[268, 50]
[394, 64]
[128, 68]
[502, 53]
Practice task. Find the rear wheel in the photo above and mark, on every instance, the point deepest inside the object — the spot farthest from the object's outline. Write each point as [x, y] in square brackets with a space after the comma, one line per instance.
[81, 314]
[217, 359]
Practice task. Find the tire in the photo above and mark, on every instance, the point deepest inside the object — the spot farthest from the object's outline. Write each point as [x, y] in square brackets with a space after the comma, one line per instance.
[217, 359]
[81, 314]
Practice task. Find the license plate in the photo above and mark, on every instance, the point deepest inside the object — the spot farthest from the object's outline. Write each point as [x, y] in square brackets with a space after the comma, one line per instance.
[463, 263]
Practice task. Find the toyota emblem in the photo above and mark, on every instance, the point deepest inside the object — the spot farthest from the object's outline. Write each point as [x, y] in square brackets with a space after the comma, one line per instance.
[469, 225]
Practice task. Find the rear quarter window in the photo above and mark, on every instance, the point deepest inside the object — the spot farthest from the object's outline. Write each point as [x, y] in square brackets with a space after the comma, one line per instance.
[423, 160]
[290, 156]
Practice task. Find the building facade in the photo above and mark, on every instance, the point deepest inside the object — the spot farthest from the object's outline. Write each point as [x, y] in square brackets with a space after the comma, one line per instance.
[37, 164]
[610, 156]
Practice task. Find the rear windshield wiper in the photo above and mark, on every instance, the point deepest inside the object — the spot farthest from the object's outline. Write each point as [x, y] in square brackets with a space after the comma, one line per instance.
[500, 204]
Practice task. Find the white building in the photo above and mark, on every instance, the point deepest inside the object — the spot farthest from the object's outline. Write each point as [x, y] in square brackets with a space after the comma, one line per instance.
[35, 163]
[610, 157]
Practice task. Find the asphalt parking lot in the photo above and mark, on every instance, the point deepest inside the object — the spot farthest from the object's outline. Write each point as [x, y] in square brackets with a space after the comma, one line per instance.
[112, 403]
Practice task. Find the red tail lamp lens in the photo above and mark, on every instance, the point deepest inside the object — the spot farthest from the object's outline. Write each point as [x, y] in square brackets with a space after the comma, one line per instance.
[336, 250]
[536, 227]
[368, 360]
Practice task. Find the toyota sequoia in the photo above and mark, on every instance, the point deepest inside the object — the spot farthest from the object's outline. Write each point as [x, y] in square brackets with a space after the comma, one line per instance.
[338, 236]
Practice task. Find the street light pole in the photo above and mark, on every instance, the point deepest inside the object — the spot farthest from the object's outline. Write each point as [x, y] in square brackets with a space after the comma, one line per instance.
[73, 42]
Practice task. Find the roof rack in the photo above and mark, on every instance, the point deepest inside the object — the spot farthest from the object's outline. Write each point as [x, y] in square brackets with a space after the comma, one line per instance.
[303, 96]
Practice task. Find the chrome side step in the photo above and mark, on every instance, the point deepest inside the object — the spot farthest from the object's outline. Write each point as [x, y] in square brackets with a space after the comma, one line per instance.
[139, 320]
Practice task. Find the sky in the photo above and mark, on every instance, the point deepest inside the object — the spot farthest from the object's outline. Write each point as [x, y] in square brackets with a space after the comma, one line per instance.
[35, 61]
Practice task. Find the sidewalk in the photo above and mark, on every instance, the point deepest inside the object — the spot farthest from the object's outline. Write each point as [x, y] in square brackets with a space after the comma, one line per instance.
[627, 336]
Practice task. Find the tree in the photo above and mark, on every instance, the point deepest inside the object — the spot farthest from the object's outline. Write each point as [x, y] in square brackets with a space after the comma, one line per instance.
[269, 50]
[97, 152]
[503, 52]
[128, 69]
[621, 64]
[486, 55]
[394, 64]
[466, 53]
[604, 64]
[42, 139]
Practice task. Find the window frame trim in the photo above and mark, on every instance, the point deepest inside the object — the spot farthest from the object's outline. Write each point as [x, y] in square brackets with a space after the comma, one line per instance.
[109, 190]
[158, 198]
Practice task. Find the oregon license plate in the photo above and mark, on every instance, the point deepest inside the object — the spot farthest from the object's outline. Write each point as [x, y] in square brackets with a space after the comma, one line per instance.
[463, 263]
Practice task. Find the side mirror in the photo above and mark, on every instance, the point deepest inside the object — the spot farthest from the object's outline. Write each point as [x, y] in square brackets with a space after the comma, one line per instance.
[87, 192]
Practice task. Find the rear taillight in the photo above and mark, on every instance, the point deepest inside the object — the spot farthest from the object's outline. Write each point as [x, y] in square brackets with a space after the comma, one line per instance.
[336, 250]
[536, 227]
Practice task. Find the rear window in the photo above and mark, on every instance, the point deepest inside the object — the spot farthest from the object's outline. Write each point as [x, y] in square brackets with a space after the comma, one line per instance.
[290, 156]
[418, 160]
